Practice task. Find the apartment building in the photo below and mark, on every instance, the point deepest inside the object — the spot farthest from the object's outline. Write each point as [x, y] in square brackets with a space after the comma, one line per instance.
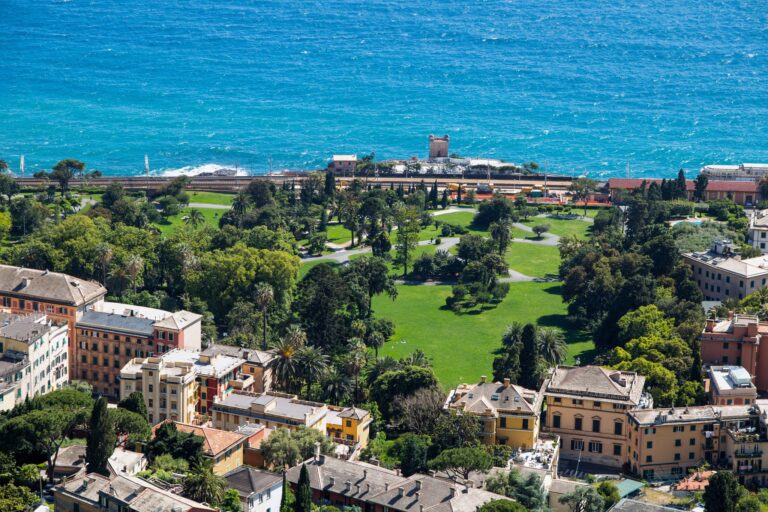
[223, 448]
[757, 233]
[731, 385]
[170, 391]
[111, 334]
[741, 192]
[257, 363]
[587, 407]
[61, 297]
[281, 410]
[737, 340]
[260, 491]
[372, 488]
[121, 492]
[721, 274]
[509, 414]
[33, 356]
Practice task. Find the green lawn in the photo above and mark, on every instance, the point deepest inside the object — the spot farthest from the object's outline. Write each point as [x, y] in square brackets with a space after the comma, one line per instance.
[563, 227]
[212, 216]
[338, 234]
[533, 259]
[461, 345]
[306, 267]
[398, 271]
[210, 197]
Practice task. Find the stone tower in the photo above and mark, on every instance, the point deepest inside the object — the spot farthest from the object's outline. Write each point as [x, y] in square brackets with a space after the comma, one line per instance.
[438, 146]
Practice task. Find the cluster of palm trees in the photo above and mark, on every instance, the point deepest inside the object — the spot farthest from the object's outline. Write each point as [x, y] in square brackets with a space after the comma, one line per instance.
[194, 218]
[119, 275]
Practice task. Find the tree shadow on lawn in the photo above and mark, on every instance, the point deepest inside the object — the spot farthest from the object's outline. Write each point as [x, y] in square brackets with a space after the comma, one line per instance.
[572, 334]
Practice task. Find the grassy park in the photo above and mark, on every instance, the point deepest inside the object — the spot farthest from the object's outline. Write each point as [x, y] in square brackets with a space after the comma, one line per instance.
[210, 197]
[461, 345]
[174, 222]
[533, 259]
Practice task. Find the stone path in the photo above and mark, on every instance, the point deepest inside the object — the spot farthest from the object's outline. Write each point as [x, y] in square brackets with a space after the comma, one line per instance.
[211, 206]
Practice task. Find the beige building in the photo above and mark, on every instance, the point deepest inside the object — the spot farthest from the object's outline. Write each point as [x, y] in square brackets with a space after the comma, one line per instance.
[758, 230]
[256, 363]
[343, 164]
[722, 275]
[509, 413]
[731, 385]
[170, 390]
[587, 407]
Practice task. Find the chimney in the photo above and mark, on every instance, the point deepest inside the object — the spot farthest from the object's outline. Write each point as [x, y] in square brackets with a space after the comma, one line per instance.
[365, 474]
[506, 382]
[347, 485]
[400, 492]
[25, 282]
[432, 472]
[386, 486]
[317, 451]
[418, 485]
[710, 325]
[453, 492]
[367, 488]
[332, 481]
[418, 496]
[483, 379]
[421, 508]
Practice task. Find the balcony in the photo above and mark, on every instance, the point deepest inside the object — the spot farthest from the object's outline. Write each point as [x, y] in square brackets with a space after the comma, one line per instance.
[747, 454]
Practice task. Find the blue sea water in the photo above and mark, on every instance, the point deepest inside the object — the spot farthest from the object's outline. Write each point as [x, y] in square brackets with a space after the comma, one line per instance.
[581, 86]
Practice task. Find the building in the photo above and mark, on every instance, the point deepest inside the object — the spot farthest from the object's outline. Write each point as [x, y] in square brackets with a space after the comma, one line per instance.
[633, 505]
[111, 334]
[260, 491]
[721, 275]
[61, 297]
[758, 230]
[740, 172]
[665, 443]
[509, 413]
[170, 391]
[255, 434]
[737, 340]
[123, 493]
[257, 363]
[731, 385]
[348, 426]
[181, 385]
[224, 449]
[438, 146]
[33, 357]
[587, 407]
[374, 489]
[741, 192]
[343, 164]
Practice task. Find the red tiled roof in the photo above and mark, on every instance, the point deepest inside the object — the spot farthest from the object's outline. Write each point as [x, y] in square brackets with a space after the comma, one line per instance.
[712, 186]
[215, 441]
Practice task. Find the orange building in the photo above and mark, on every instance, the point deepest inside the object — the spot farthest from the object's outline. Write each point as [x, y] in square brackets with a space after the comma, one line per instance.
[737, 341]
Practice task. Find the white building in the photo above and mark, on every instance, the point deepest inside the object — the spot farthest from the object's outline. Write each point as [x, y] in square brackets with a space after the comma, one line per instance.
[758, 230]
[260, 491]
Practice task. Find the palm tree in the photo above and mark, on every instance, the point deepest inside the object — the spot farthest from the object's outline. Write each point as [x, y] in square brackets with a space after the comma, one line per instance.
[104, 254]
[335, 387]
[552, 346]
[312, 364]
[134, 266]
[417, 358]
[285, 366]
[501, 234]
[119, 276]
[357, 357]
[194, 218]
[264, 297]
[375, 340]
[240, 206]
[379, 367]
[202, 485]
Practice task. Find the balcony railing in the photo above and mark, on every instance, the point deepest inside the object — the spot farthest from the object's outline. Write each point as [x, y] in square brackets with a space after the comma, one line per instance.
[742, 454]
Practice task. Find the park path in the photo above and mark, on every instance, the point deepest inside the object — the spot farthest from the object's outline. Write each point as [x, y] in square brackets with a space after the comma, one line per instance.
[343, 255]
[211, 206]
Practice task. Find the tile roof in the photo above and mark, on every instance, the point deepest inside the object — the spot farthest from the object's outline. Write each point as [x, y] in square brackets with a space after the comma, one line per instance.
[712, 185]
[45, 285]
[596, 381]
[178, 320]
[629, 505]
[215, 441]
[354, 413]
[493, 396]
[249, 354]
[248, 480]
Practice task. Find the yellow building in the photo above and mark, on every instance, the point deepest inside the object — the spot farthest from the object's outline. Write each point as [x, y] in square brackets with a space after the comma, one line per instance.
[224, 449]
[350, 425]
[587, 407]
[509, 414]
[169, 389]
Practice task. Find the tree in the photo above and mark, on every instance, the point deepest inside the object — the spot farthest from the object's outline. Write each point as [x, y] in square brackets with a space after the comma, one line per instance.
[412, 450]
[285, 366]
[372, 274]
[3, 166]
[722, 493]
[529, 357]
[287, 500]
[101, 439]
[700, 187]
[194, 218]
[581, 188]
[303, 492]
[312, 365]
[525, 490]
[408, 224]
[65, 170]
[264, 297]
[460, 462]
[456, 431]
[552, 346]
[130, 424]
[502, 506]
[540, 229]
[134, 267]
[231, 501]
[202, 484]
[16, 498]
[501, 234]
[135, 403]
[497, 209]
[418, 412]
[609, 492]
[180, 445]
[584, 499]
[280, 450]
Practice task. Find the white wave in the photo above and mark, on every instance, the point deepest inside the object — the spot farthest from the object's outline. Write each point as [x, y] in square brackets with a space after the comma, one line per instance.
[195, 170]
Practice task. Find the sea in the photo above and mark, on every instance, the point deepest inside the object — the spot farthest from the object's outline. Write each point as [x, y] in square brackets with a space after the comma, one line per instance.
[599, 87]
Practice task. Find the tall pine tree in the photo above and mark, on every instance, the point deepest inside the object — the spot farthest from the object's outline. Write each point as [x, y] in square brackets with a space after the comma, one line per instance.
[101, 439]
[303, 492]
[529, 358]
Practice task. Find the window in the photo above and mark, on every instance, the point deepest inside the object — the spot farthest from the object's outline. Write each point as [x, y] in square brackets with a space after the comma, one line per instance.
[349, 422]
[617, 449]
[617, 428]
[649, 444]
[690, 455]
[648, 474]
[648, 458]
[503, 422]
[677, 471]
[678, 442]
[558, 399]
[677, 456]
[596, 405]
[525, 424]
[678, 428]
[693, 428]
[577, 445]
[151, 388]
[83, 359]
[578, 402]
[725, 346]
[692, 442]
[595, 447]
[595, 425]
[556, 421]
[577, 424]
